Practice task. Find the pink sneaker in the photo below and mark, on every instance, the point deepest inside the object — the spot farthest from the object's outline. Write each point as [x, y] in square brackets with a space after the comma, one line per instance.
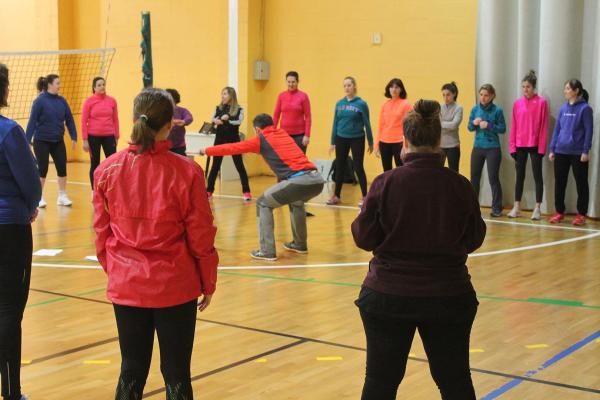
[333, 201]
[579, 220]
[247, 196]
[210, 194]
[557, 218]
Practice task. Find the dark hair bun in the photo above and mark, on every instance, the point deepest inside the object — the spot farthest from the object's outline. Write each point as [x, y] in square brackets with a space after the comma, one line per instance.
[427, 109]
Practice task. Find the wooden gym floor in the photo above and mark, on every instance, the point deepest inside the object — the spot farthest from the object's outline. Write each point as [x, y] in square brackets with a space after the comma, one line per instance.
[289, 329]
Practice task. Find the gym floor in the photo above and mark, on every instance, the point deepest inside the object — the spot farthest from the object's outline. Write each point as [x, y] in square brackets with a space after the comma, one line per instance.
[289, 329]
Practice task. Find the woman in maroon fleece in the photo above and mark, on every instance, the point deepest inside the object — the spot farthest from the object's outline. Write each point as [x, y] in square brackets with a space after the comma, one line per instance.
[417, 277]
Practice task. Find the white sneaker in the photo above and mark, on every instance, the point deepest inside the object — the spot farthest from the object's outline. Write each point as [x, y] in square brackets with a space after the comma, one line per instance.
[42, 203]
[514, 213]
[63, 200]
[537, 214]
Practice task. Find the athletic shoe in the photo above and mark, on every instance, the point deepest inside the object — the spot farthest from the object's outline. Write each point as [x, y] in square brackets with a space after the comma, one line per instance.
[514, 213]
[537, 214]
[24, 397]
[247, 196]
[291, 246]
[42, 203]
[360, 202]
[63, 200]
[496, 214]
[259, 255]
[209, 194]
[309, 214]
[557, 218]
[579, 220]
[333, 201]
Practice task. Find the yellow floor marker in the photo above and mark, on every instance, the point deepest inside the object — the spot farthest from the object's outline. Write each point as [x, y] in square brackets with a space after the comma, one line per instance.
[261, 360]
[334, 358]
[412, 355]
[94, 362]
[25, 361]
[476, 350]
[537, 346]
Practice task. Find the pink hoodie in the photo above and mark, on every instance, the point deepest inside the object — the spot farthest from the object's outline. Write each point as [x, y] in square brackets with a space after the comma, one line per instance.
[99, 116]
[529, 126]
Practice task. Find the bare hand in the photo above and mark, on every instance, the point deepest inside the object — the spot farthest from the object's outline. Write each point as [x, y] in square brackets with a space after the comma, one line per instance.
[483, 124]
[35, 215]
[585, 157]
[476, 121]
[225, 117]
[178, 122]
[205, 302]
[86, 146]
[377, 153]
[74, 145]
[551, 156]
[331, 149]
[217, 121]
[305, 141]
[370, 149]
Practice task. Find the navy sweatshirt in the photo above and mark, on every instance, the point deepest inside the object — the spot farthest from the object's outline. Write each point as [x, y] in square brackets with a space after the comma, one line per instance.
[420, 241]
[49, 113]
[20, 187]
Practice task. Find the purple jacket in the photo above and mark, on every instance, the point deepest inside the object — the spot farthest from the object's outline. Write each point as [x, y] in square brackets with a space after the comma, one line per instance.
[177, 134]
[420, 220]
[574, 128]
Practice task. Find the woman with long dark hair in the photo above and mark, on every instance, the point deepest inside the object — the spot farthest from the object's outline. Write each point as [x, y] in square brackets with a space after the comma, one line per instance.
[20, 193]
[418, 278]
[570, 148]
[49, 114]
[99, 125]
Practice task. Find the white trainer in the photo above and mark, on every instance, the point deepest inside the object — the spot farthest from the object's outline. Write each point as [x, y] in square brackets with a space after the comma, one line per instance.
[514, 213]
[42, 203]
[537, 214]
[63, 200]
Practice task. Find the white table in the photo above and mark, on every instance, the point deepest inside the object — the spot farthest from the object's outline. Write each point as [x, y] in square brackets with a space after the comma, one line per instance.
[194, 141]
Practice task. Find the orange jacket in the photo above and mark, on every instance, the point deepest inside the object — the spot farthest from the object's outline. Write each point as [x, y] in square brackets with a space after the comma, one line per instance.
[154, 228]
[391, 116]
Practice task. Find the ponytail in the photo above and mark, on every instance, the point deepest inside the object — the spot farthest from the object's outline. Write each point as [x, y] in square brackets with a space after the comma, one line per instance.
[44, 81]
[152, 110]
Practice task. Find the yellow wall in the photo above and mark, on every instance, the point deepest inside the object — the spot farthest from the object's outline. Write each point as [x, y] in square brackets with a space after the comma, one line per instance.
[425, 43]
[28, 25]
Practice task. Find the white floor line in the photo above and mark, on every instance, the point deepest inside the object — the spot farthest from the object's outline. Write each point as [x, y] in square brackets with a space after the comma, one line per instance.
[356, 264]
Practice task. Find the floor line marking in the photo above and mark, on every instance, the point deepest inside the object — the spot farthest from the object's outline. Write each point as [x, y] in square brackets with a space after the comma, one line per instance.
[306, 339]
[330, 358]
[553, 360]
[96, 362]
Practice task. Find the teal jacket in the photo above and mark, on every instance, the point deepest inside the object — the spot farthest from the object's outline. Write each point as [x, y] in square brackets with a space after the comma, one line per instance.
[494, 116]
[351, 120]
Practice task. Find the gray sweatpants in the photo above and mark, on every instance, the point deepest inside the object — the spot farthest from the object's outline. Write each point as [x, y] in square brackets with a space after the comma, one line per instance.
[294, 191]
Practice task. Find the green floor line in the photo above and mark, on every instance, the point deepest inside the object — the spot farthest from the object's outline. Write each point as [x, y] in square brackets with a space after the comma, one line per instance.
[565, 303]
[102, 289]
[41, 303]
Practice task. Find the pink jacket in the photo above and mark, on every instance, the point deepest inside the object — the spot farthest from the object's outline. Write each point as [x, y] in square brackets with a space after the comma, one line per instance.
[529, 126]
[295, 107]
[99, 116]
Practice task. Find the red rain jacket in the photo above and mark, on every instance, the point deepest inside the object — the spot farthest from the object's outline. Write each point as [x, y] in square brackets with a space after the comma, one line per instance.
[154, 228]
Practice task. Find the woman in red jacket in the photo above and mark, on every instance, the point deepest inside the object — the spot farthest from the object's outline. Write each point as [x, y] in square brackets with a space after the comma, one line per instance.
[99, 124]
[155, 240]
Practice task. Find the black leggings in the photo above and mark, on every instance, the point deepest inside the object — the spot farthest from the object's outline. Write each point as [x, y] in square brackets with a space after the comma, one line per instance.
[444, 325]
[107, 143]
[58, 152]
[492, 157]
[389, 151]
[298, 139]
[562, 165]
[453, 156]
[15, 274]
[175, 327]
[343, 146]
[536, 165]
[237, 160]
